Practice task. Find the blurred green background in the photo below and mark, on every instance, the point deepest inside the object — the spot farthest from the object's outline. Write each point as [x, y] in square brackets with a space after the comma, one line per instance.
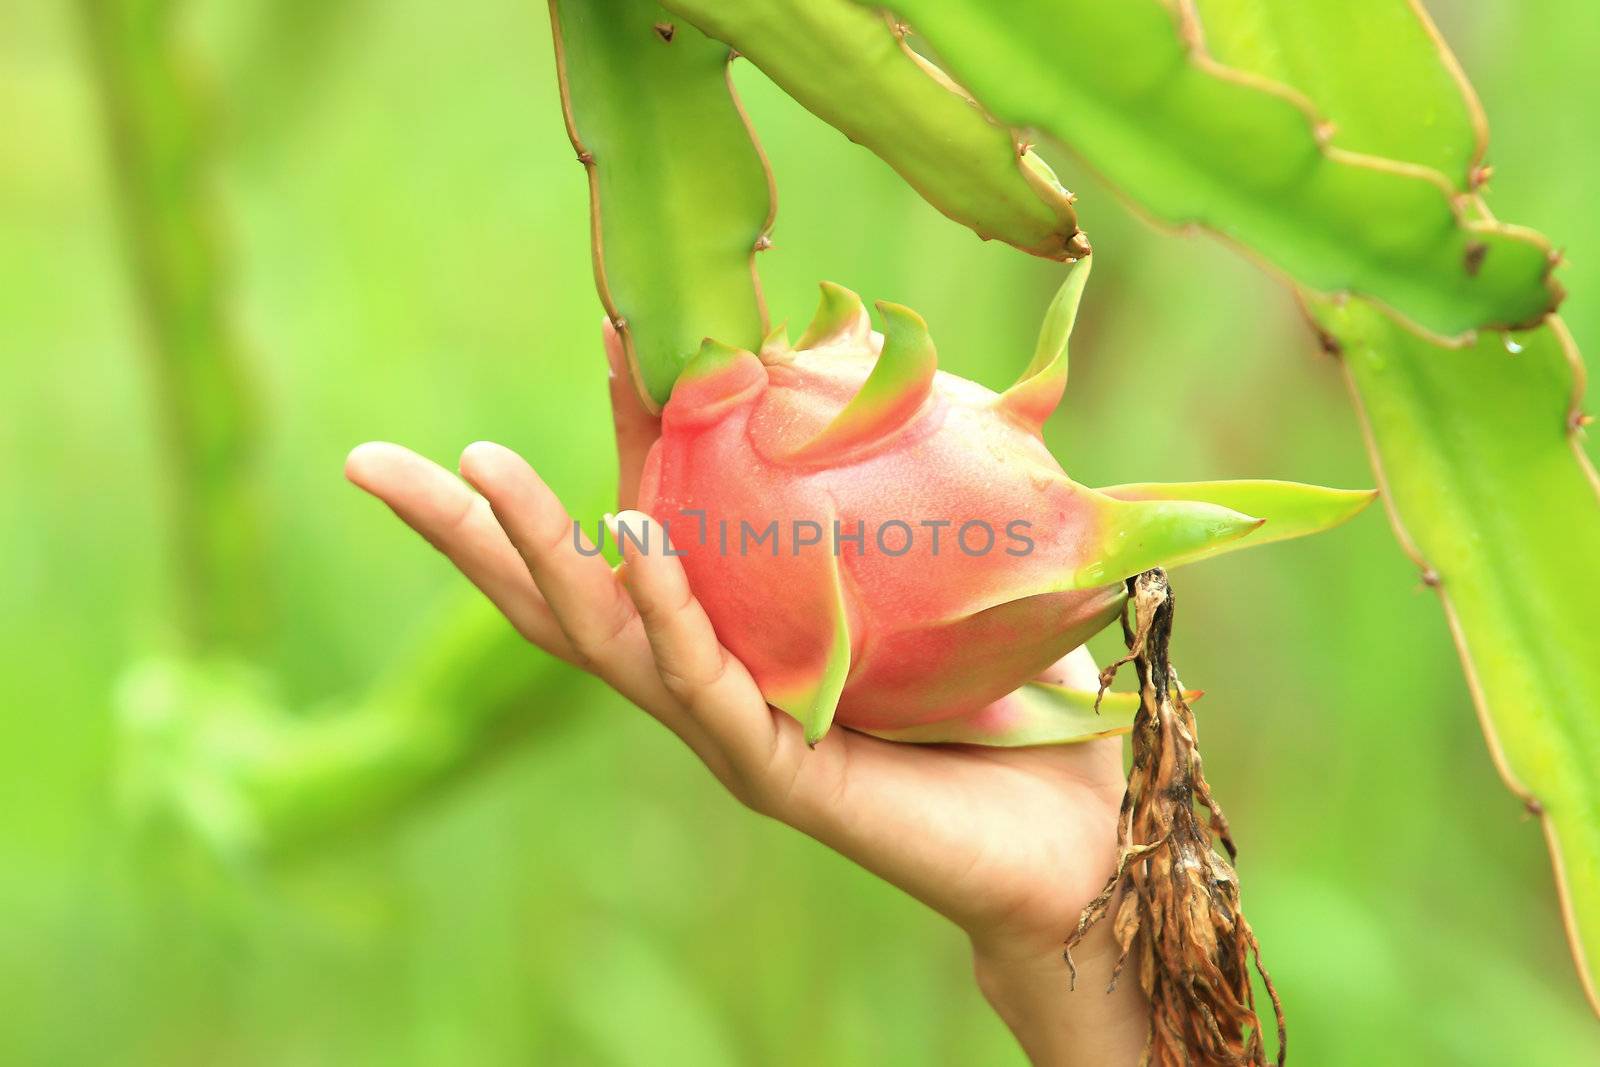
[406, 242]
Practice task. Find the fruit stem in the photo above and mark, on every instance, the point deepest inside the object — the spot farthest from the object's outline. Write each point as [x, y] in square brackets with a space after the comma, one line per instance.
[1178, 915]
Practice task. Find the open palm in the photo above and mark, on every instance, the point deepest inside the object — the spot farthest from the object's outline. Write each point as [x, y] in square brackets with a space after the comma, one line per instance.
[1008, 843]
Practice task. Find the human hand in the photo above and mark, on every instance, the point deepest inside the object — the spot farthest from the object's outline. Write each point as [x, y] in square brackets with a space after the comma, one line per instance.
[1010, 844]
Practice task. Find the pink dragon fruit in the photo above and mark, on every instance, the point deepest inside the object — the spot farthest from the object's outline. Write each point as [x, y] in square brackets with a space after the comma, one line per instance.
[893, 548]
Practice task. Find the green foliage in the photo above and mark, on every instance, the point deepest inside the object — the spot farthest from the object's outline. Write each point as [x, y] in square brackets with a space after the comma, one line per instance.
[1130, 88]
[679, 192]
[208, 743]
[208, 747]
[852, 69]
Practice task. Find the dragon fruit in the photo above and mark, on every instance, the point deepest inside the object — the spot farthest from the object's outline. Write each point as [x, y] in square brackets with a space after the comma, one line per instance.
[892, 547]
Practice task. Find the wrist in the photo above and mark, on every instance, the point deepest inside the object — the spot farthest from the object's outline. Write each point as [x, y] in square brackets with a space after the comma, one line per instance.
[1057, 1025]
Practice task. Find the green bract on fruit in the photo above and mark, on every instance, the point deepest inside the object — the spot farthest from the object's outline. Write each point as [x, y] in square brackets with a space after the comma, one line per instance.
[893, 548]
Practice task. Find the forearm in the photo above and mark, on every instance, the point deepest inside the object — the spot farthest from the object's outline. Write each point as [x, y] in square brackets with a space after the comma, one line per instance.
[1058, 1026]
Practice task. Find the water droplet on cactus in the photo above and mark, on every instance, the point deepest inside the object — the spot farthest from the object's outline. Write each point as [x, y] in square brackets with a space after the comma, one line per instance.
[1512, 344]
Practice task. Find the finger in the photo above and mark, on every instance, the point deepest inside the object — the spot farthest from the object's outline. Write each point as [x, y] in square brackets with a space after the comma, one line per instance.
[578, 585]
[458, 522]
[588, 604]
[694, 666]
[636, 427]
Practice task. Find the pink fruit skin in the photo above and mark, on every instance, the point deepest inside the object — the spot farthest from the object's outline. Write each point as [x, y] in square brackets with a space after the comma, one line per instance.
[934, 633]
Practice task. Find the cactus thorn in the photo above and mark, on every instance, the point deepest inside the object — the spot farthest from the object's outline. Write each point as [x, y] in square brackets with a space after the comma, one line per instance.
[586, 157]
[1473, 260]
[1578, 420]
[1532, 805]
[1328, 343]
[1079, 245]
[763, 243]
[1324, 132]
[1480, 176]
[665, 31]
[1430, 578]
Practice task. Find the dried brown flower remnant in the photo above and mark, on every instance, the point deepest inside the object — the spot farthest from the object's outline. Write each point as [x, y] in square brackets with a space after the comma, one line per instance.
[1176, 898]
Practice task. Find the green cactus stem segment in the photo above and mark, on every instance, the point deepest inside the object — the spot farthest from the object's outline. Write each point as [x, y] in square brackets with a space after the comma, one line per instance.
[1195, 142]
[1477, 446]
[1415, 105]
[679, 192]
[851, 68]
[1491, 494]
